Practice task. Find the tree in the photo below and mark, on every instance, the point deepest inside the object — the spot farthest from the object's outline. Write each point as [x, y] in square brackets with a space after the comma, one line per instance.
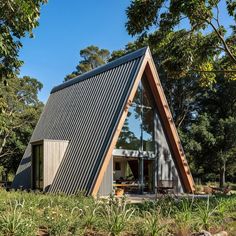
[210, 138]
[199, 144]
[17, 18]
[185, 58]
[226, 143]
[220, 102]
[92, 58]
[195, 58]
[174, 56]
[211, 143]
[166, 15]
[19, 112]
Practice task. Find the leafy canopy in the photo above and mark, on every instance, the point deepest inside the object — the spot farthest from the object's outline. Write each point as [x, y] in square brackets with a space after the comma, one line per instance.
[92, 58]
[19, 111]
[195, 57]
[17, 18]
[166, 16]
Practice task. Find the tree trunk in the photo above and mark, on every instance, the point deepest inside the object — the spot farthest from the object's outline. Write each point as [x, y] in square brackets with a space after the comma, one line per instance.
[222, 175]
[3, 143]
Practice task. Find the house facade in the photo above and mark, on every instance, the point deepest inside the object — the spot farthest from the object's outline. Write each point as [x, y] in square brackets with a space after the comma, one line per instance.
[106, 129]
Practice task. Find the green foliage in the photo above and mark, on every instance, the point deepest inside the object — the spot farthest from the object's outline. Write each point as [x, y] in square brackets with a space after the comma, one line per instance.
[18, 18]
[146, 9]
[115, 215]
[231, 7]
[19, 105]
[58, 222]
[89, 216]
[23, 213]
[19, 112]
[14, 223]
[207, 79]
[154, 225]
[166, 16]
[92, 58]
[184, 217]
[210, 139]
[196, 65]
[205, 215]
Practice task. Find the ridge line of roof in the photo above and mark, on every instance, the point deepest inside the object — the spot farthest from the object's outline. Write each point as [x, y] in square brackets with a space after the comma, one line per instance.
[121, 60]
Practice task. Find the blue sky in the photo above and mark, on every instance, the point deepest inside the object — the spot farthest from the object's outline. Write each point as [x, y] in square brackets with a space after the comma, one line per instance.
[66, 27]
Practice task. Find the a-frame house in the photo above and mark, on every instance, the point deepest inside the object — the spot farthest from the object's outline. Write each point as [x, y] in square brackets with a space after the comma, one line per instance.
[108, 128]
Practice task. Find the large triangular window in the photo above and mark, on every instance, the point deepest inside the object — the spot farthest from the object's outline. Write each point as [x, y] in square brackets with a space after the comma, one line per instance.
[138, 129]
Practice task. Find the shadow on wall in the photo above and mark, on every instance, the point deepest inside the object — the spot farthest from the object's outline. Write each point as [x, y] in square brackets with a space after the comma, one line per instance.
[46, 189]
[176, 180]
[25, 161]
[158, 125]
[168, 171]
[23, 176]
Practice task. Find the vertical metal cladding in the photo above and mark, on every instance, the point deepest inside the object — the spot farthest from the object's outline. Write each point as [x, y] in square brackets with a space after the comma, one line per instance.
[85, 113]
[101, 96]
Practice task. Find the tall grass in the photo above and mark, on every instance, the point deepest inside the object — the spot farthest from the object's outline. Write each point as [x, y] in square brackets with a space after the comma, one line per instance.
[28, 214]
[13, 222]
[154, 224]
[184, 217]
[115, 215]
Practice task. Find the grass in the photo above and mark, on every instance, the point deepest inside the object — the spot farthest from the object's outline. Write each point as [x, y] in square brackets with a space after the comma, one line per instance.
[29, 214]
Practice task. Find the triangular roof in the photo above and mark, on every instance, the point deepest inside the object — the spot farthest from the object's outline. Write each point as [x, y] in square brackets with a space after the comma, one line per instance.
[90, 110]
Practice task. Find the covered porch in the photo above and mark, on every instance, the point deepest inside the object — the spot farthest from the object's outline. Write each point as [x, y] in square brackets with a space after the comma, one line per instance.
[136, 172]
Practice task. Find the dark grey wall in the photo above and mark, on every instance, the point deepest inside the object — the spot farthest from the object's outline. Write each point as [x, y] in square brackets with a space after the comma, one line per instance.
[166, 166]
[23, 174]
[84, 111]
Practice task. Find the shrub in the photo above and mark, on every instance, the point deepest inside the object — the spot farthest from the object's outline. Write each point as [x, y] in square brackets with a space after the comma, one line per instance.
[115, 215]
[205, 215]
[184, 217]
[154, 224]
[57, 221]
[12, 222]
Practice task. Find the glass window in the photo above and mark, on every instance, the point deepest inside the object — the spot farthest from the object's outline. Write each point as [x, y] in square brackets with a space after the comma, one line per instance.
[37, 162]
[130, 136]
[138, 130]
[148, 126]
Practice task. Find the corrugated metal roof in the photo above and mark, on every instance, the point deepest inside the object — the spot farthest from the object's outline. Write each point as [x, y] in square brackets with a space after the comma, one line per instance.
[103, 68]
[86, 111]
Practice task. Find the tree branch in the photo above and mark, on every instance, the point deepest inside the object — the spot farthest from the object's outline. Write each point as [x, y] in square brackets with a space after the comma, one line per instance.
[7, 153]
[4, 141]
[228, 51]
[215, 71]
[217, 16]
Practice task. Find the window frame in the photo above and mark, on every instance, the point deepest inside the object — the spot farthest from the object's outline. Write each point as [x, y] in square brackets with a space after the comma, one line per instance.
[33, 178]
[143, 86]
